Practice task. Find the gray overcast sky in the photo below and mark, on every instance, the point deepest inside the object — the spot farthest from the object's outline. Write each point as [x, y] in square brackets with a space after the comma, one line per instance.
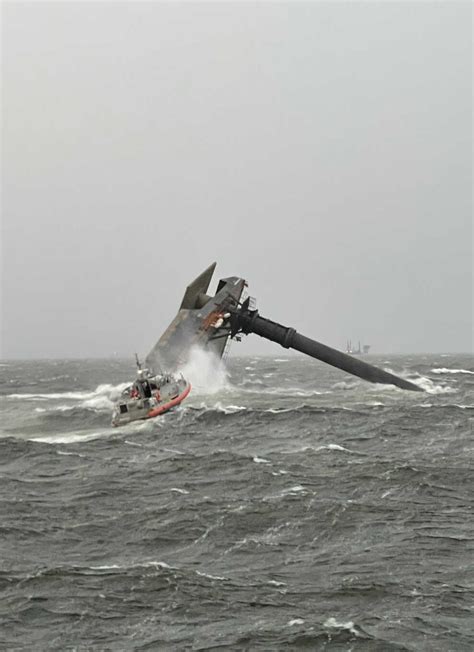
[322, 151]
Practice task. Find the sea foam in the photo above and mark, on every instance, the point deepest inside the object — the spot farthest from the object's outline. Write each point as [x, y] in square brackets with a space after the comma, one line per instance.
[205, 371]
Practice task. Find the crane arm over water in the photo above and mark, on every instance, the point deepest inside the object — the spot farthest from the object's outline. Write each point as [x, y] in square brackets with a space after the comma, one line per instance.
[209, 322]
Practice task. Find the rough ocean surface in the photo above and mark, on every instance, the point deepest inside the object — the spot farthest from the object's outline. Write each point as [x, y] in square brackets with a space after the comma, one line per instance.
[286, 506]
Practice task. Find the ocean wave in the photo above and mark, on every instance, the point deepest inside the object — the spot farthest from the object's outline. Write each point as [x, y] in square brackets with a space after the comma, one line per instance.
[69, 454]
[315, 449]
[66, 418]
[431, 387]
[53, 378]
[445, 406]
[346, 385]
[282, 391]
[104, 390]
[291, 491]
[217, 407]
[115, 521]
[251, 381]
[425, 383]
[332, 623]
[98, 404]
[73, 437]
[283, 410]
[100, 568]
[132, 567]
[221, 411]
[444, 370]
[211, 577]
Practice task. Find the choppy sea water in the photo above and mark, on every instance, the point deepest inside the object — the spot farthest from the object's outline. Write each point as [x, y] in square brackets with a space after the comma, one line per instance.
[285, 506]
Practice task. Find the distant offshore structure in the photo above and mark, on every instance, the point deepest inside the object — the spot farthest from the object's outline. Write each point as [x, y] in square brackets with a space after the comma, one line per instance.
[359, 351]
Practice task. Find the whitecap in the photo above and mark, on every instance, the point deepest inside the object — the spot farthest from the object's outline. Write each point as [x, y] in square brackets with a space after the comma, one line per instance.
[62, 377]
[105, 389]
[60, 408]
[330, 447]
[72, 438]
[293, 391]
[334, 447]
[261, 460]
[425, 383]
[226, 409]
[295, 621]
[334, 624]
[211, 577]
[444, 370]
[179, 491]
[155, 564]
[432, 388]
[343, 384]
[145, 564]
[69, 454]
[99, 404]
[446, 405]
[293, 490]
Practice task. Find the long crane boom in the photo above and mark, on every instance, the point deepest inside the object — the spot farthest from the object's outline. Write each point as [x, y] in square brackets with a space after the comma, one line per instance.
[208, 322]
[246, 321]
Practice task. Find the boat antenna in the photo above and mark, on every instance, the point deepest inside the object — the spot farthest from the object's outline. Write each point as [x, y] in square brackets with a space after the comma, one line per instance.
[139, 366]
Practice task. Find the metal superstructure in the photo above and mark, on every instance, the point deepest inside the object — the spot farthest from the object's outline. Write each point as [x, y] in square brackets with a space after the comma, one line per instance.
[209, 322]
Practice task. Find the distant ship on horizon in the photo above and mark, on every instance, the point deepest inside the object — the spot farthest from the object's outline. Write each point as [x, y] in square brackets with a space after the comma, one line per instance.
[359, 351]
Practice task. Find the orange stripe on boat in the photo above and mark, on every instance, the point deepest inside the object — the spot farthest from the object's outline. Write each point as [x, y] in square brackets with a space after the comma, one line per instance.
[167, 406]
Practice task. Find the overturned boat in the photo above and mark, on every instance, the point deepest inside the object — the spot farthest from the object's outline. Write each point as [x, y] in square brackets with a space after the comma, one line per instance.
[150, 396]
[210, 322]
